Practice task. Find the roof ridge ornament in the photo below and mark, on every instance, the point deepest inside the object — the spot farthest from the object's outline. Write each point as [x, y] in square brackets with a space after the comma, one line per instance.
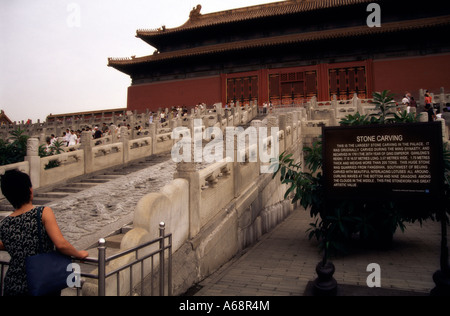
[195, 13]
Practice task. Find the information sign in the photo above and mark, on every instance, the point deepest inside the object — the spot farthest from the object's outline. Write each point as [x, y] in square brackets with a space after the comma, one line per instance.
[383, 161]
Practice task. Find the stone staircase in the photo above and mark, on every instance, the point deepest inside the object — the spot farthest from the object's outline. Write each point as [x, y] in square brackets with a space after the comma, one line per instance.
[113, 240]
[44, 196]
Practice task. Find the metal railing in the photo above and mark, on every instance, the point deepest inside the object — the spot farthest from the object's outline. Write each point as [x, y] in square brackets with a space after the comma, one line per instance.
[159, 277]
[3, 267]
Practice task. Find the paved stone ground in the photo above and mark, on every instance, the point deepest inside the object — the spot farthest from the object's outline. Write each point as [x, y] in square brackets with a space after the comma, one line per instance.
[283, 262]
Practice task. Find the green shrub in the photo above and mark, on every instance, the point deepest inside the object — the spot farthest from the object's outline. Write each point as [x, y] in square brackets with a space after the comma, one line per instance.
[14, 149]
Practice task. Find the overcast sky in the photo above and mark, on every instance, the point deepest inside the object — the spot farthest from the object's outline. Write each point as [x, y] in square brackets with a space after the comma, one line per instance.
[54, 53]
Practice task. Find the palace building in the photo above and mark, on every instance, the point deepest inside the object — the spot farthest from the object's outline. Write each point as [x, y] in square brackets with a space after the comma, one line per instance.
[4, 119]
[287, 52]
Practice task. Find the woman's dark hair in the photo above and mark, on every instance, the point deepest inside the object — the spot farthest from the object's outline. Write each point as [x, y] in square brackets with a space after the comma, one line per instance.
[16, 187]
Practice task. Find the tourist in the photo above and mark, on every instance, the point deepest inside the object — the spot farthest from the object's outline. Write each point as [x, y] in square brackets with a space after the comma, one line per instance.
[113, 130]
[18, 232]
[79, 133]
[53, 139]
[431, 115]
[406, 99]
[428, 98]
[72, 138]
[97, 133]
[48, 146]
[64, 137]
[138, 130]
[412, 104]
[67, 137]
[105, 128]
[446, 115]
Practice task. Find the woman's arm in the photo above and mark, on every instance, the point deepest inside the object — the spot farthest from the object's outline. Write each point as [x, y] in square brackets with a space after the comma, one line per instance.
[53, 231]
[2, 247]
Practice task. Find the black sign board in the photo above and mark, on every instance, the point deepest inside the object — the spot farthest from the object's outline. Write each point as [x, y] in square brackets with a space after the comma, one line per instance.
[389, 162]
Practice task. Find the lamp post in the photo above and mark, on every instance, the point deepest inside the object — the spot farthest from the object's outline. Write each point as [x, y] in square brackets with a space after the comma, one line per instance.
[325, 284]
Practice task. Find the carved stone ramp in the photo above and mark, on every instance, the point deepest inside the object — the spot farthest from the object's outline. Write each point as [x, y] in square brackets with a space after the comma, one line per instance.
[100, 204]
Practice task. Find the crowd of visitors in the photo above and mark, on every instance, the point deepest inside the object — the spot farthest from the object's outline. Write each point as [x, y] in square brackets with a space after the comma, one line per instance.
[427, 107]
[71, 138]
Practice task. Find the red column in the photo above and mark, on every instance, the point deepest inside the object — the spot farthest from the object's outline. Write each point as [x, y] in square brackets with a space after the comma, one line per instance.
[223, 83]
[322, 78]
[369, 78]
[263, 93]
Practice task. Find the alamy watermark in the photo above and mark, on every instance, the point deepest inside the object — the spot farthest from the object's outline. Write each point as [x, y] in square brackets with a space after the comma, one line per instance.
[374, 278]
[74, 278]
[254, 144]
[74, 18]
[374, 19]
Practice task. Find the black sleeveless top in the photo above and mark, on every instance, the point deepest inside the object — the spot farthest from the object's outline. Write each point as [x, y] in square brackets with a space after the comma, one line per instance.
[20, 238]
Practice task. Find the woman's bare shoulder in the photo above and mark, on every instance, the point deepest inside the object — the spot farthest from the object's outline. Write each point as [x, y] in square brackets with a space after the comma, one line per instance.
[47, 213]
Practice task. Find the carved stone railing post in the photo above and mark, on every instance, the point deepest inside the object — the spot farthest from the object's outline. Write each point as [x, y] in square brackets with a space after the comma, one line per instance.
[34, 160]
[257, 125]
[442, 103]
[86, 145]
[289, 129]
[272, 121]
[124, 139]
[42, 137]
[188, 170]
[152, 134]
[231, 150]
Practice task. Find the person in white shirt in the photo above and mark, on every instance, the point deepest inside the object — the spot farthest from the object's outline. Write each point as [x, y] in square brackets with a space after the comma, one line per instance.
[48, 147]
[406, 99]
[72, 138]
[66, 137]
[53, 140]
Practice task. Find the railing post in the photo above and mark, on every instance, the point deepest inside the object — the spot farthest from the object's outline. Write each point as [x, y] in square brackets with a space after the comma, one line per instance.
[162, 227]
[169, 273]
[102, 267]
[34, 161]
[153, 131]
[86, 140]
[2, 274]
[124, 138]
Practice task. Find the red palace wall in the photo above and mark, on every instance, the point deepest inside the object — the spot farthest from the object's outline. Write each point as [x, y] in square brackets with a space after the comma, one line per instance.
[397, 75]
[412, 74]
[188, 92]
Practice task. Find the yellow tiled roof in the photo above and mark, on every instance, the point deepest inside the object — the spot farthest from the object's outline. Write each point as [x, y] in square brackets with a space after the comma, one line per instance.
[288, 39]
[198, 20]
